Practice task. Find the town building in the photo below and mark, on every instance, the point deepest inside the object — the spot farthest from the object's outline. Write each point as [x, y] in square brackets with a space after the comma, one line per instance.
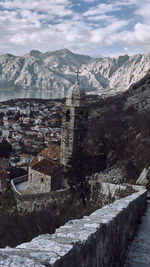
[45, 172]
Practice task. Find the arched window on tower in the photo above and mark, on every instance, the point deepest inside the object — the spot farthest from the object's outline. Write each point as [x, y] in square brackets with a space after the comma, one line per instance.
[68, 115]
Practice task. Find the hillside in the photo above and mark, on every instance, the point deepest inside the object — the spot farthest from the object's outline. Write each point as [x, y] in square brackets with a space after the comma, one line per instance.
[120, 129]
[55, 71]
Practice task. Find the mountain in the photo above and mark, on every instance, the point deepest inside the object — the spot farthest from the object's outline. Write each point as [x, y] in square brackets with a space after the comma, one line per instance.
[138, 95]
[119, 130]
[55, 71]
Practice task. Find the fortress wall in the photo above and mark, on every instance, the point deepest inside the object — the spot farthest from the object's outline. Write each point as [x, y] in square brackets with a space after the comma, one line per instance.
[100, 195]
[100, 239]
[36, 202]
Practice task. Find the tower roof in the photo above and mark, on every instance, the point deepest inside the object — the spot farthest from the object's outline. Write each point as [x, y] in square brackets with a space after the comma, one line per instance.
[76, 96]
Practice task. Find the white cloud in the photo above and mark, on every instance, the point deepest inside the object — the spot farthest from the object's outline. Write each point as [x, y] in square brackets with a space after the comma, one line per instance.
[107, 35]
[126, 49]
[22, 38]
[103, 18]
[144, 10]
[30, 23]
[90, 1]
[49, 25]
[57, 7]
[140, 35]
[101, 9]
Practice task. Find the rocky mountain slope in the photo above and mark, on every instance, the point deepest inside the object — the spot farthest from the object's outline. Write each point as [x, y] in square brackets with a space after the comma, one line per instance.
[119, 128]
[55, 71]
[138, 95]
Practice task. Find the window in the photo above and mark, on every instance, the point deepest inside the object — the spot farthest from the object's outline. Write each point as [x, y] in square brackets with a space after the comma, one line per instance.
[42, 180]
[68, 116]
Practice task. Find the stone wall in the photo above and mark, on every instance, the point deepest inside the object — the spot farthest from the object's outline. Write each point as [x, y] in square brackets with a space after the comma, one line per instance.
[100, 194]
[105, 193]
[38, 182]
[36, 202]
[100, 239]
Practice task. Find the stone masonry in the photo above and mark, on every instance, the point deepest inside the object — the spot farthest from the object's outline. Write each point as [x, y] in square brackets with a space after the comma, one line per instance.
[74, 123]
[100, 239]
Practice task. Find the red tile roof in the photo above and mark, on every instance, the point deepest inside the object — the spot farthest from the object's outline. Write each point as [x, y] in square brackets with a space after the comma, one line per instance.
[47, 167]
[33, 162]
[51, 152]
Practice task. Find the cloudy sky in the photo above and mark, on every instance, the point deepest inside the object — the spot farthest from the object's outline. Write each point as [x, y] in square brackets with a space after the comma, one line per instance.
[93, 27]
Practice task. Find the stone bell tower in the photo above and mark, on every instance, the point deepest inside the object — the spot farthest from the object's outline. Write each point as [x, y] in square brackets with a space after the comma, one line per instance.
[74, 122]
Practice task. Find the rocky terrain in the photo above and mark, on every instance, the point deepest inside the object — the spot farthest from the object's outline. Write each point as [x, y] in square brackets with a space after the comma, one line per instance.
[55, 72]
[120, 130]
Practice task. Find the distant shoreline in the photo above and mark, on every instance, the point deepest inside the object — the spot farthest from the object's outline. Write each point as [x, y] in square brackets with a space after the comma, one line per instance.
[8, 94]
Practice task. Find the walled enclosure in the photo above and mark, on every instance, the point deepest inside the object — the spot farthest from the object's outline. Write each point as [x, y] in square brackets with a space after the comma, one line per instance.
[100, 239]
[100, 195]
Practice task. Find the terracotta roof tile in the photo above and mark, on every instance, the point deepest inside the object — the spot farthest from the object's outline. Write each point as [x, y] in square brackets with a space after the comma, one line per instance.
[51, 152]
[47, 167]
[33, 162]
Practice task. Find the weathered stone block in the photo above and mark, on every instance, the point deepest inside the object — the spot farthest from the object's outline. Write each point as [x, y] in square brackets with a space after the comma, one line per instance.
[97, 240]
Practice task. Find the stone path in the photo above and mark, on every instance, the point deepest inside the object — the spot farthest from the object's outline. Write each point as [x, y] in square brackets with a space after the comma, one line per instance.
[138, 254]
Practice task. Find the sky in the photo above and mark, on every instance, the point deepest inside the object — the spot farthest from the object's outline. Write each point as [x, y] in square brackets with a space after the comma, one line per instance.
[94, 27]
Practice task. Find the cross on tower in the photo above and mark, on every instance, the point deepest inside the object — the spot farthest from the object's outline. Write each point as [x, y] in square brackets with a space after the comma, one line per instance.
[78, 72]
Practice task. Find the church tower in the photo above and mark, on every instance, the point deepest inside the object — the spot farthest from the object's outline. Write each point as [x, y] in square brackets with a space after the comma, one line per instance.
[74, 122]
